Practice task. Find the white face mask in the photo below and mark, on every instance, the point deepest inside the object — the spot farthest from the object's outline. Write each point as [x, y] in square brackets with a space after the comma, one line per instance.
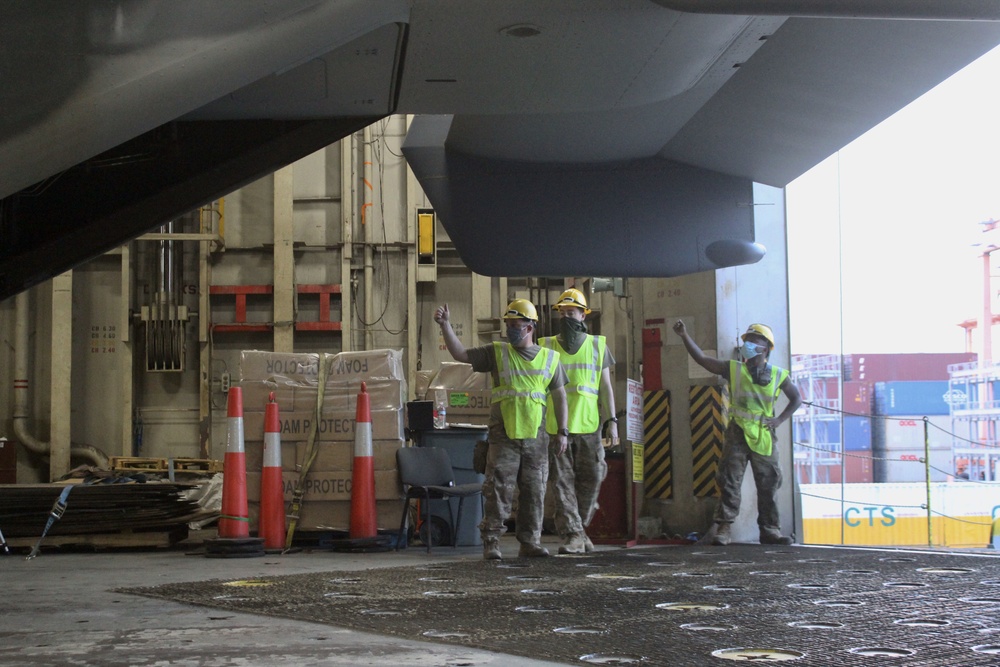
[751, 350]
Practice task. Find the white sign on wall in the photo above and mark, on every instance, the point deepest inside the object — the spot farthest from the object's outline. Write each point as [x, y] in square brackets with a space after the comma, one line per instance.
[634, 428]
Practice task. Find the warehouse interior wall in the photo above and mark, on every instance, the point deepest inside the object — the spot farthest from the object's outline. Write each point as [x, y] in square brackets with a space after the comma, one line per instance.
[717, 306]
[353, 225]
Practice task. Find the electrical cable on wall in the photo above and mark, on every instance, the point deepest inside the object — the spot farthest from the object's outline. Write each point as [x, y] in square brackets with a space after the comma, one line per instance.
[376, 144]
[385, 235]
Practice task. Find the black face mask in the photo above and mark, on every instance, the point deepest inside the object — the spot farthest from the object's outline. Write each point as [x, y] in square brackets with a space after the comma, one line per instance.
[515, 334]
[573, 331]
[761, 374]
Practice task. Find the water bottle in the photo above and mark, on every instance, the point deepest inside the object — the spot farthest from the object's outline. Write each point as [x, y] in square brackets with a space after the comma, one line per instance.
[440, 408]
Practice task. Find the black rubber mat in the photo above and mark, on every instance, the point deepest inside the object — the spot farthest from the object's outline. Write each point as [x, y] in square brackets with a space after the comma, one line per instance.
[660, 606]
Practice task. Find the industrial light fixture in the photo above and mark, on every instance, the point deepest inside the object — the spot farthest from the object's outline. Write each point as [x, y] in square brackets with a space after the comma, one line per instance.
[614, 285]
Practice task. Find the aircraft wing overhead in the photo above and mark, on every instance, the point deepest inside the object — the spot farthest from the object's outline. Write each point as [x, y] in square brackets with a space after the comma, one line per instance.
[756, 99]
[529, 115]
[818, 84]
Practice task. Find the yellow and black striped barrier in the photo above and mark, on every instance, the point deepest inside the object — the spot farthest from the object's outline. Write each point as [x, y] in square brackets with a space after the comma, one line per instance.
[656, 424]
[709, 416]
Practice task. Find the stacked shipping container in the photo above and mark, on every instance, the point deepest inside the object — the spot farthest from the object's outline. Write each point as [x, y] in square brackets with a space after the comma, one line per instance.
[872, 368]
[885, 398]
[901, 435]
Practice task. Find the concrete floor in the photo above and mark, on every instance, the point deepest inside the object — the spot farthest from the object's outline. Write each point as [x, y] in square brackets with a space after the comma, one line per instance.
[59, 609]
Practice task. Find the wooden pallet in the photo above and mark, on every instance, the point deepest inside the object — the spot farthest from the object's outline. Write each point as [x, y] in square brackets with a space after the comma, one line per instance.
[198, 465]
[138, 464]
[160, 465]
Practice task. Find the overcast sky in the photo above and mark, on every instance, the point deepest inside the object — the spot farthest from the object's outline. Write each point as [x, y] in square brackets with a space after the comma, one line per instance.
[899, 271]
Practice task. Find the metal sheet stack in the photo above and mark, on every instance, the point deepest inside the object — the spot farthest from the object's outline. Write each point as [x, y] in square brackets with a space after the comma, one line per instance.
[95, 508]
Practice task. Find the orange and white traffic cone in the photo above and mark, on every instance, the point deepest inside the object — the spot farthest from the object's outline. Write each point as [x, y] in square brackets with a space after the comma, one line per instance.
[234, 522]
[272, 493]
[364, 523]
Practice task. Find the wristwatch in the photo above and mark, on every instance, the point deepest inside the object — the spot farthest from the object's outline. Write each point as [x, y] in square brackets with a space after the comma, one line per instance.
[613, 419]
[564, 431]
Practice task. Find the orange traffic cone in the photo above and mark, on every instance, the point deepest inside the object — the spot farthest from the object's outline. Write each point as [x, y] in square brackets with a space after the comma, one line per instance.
[364, 523]
[234, 522]
[272, 493]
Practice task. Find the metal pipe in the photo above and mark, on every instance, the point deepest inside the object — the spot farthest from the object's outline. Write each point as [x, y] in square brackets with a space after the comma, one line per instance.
[21, 382]
[927, 483]
[367, 215]
[21, 377]
[935, 10]
[348, 187]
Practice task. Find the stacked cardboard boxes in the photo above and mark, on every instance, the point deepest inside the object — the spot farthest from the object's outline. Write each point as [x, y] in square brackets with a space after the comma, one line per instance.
[468, 393]
[294, 379]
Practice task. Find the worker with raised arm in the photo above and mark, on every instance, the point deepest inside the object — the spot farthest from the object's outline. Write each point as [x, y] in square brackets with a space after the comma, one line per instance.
[578, 472]
[523, 373]
[754, 385]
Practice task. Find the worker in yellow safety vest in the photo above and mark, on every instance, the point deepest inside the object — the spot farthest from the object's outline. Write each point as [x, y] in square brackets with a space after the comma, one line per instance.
[754, 385]
[523, 374]
[576, 474]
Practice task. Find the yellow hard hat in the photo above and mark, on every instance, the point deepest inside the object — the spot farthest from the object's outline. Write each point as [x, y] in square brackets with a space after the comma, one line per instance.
[572, 298]
[760, 330]
[521, 309]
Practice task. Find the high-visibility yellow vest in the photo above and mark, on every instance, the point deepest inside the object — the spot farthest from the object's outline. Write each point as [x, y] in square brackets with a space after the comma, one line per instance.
[583, 388]
[523, 386]
[750, 403]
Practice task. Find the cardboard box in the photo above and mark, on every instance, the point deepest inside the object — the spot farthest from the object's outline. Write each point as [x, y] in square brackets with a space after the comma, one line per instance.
[456, 375]
[422, 382]
[330, 456]
[319, 515]
[295, 367]
[329, 485]
[468, 393]
[342, 396]
[386, 364]
[256, 394]
[332, 426]
[334, 456]
[303, 368]
[469, 403]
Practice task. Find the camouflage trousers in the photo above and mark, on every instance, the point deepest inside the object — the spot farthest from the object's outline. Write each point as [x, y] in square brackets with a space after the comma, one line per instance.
[521, 465]
[766, 475]
[576, 476]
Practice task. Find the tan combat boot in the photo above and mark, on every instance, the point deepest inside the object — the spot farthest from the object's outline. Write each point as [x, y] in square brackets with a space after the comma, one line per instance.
[575, 544]
[768, 536]
[532, 551]
[722, 534]
[588, 545]
[491, 549]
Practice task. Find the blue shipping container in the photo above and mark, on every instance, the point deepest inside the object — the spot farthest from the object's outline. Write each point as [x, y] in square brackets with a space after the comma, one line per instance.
[857, 434]
[911, 398]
